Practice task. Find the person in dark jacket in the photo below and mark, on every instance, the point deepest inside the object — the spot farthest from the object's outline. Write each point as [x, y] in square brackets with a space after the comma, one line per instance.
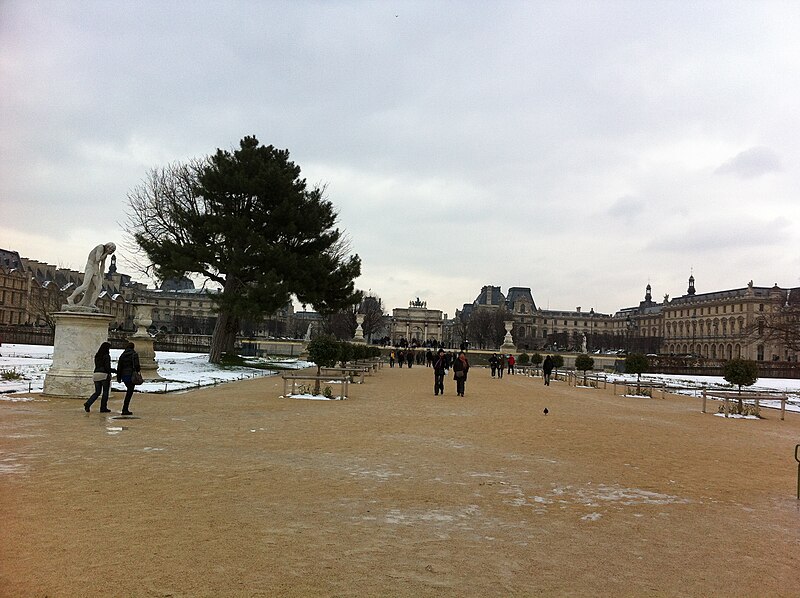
[460, 369]
[547, 369]
[127, 364]
[439, 368]
[102, 365]
[501, 365]
[493, 363]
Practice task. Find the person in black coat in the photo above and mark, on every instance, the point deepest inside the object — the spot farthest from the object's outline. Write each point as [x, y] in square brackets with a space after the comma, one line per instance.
[127, 364]
[439, 368]
[102, 365]
[460, 369]
[547, 369]
[493, 363]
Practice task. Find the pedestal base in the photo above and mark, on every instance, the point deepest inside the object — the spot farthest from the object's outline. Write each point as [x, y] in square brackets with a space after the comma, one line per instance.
[147, 356]
[78, 336]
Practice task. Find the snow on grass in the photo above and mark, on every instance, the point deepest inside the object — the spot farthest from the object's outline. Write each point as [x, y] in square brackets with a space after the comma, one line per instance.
[310, 397]
[179, 370]
[693, 386]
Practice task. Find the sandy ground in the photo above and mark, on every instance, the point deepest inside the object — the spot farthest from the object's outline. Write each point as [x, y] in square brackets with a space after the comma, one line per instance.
[232, 491]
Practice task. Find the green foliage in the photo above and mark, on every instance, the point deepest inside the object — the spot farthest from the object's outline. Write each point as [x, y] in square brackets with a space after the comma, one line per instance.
[346, 352]
[740, 372]
[247, 221]
[524, 359]
[327, 392]
[636, 363]
[536, 359]
[558, 361]
[583, 362]
[324, 350]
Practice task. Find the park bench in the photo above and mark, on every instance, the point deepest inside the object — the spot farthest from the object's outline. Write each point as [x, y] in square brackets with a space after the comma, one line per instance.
[756, 397]
[528, 370]
[352, 371]
[371, 365]
[290, 382]
[648, 385]
[577, 377]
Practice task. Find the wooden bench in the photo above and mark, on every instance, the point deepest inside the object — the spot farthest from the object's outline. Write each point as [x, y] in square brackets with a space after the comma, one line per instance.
[650, 385]
[293, 379]
[528, 370]
[372, 366]
[352, 371]
[727, 395]
[576, 377]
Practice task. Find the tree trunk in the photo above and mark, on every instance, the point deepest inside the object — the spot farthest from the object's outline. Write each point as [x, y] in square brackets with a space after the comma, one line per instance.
[223, 339]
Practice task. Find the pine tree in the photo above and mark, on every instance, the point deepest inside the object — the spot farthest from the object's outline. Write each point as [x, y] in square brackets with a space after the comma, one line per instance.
[247, 221]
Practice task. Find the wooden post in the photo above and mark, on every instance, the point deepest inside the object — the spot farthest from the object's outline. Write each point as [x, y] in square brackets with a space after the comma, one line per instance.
[704, 400]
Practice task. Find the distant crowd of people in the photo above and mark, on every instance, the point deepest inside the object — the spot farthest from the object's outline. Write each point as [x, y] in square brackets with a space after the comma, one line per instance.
[442, 361]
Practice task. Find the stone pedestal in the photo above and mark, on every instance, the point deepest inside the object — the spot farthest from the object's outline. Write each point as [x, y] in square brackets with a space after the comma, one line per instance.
[508, 341]
[79, 334]
[144, 342]
[359, 336]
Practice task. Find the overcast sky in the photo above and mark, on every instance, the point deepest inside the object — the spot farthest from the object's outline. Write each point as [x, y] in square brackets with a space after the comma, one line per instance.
[582, 149]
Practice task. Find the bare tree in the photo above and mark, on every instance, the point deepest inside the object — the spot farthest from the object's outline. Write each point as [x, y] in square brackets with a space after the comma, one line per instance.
[45, 300]
[341, 324]
[486, 327]
[780, 322]
[372, 309]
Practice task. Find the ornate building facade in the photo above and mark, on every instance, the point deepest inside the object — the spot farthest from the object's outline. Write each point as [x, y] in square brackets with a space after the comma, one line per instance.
[416, 324]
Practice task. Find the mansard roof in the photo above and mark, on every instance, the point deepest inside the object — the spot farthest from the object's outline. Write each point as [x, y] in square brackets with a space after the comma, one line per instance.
[762, 292]
[491, 296]
[521, 294]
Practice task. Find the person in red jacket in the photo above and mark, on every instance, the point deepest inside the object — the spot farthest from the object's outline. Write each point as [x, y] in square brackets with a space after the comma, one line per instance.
[511, 362]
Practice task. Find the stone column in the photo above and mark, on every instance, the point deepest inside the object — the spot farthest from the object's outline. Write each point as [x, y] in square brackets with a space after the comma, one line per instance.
[79, 334]
[359, 336]
[144, 342]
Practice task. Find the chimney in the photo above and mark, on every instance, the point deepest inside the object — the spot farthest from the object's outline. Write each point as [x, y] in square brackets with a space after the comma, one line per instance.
[578, 309]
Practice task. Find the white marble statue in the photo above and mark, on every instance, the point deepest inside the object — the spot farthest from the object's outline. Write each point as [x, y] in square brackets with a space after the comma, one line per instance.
[92, 276]
[583, 343]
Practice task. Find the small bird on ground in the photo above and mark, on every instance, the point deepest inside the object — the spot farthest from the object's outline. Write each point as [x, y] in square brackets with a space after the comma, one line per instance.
[545, 411]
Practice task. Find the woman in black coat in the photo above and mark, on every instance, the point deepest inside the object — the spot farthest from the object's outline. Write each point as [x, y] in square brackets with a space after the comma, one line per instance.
[128, 364]
[460, 369]
[102, 383]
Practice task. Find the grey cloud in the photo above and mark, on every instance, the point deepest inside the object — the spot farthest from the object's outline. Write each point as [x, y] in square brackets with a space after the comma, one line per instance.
[751, 163]
[727, 236]
[626, 207]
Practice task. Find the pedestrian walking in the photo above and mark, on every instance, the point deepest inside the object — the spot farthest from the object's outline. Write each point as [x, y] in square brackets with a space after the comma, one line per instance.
[460, 369]
[128, 367]
[439, 371]
[547, 369]
[493, 364]
[501, 365]
[511, 363]
[102, 378]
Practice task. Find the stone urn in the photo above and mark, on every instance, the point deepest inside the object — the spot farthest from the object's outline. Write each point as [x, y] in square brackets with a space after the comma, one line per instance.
[142, 319]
